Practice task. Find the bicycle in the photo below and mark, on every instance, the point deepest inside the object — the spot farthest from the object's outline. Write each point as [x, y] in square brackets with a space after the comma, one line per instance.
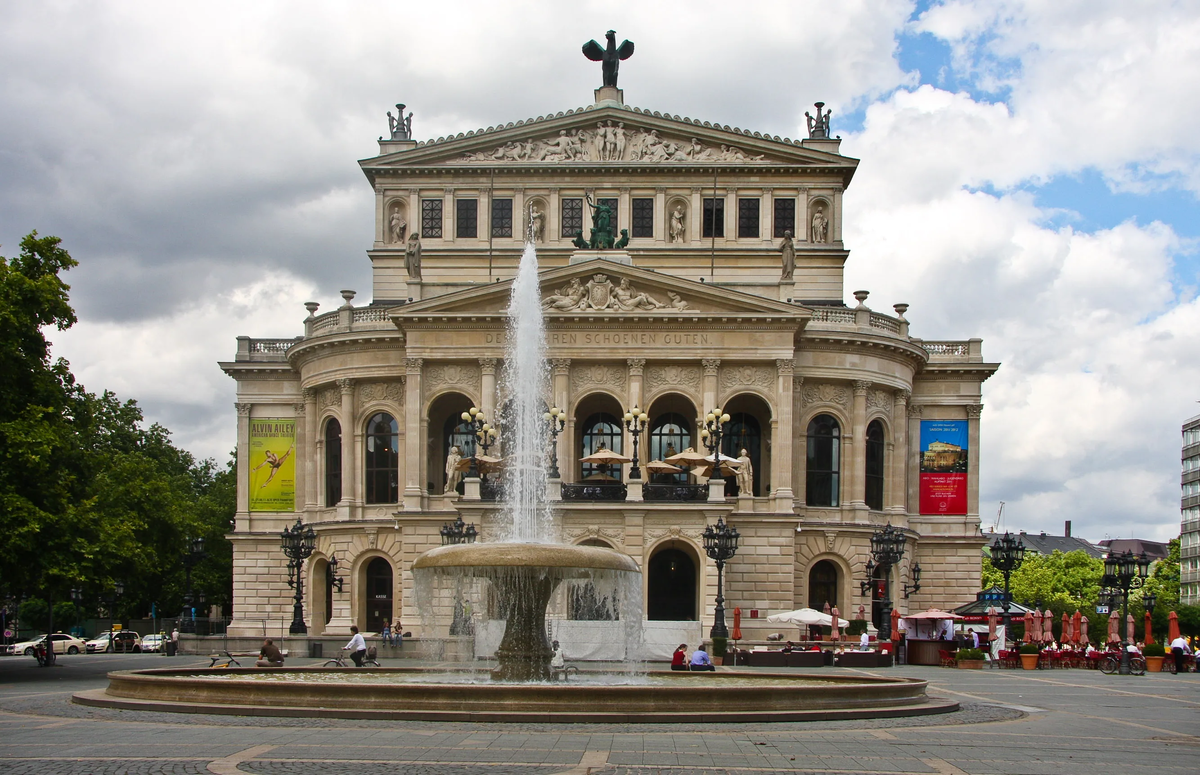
[343, 655]
[1112, 664]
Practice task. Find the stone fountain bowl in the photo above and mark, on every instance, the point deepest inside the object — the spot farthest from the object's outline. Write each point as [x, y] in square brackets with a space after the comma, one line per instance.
[559, 560]
[424, 694]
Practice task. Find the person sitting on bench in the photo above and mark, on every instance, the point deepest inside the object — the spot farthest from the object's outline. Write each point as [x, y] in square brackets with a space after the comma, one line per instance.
[269, 655]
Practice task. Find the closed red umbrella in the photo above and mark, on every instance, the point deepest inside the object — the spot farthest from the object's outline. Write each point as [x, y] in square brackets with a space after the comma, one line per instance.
[1083, 633]
[1149, 635]
[737, 623]
[1129, 635]
[1047, 626]
[1076, 630]
[825, 608]
[991, 614]
[1029, 626]
[837, 622]
[1114, 627]
[895, 625]
[1037, 625]
[862, 612]
[1065, 635]
[1172, 626]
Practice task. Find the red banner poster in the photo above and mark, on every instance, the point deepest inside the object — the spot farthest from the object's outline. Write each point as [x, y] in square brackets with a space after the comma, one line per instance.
[944, 472]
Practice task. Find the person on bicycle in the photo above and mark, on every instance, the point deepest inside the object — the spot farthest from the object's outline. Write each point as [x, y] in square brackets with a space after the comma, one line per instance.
[357, 647]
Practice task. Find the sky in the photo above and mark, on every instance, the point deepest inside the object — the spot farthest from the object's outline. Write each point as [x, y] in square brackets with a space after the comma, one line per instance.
[1029, 175]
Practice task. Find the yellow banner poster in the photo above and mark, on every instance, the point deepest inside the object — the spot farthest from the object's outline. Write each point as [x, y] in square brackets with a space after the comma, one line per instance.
[272, 464]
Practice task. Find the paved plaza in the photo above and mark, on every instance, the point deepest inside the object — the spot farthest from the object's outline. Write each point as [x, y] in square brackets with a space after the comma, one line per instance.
[1044, 722]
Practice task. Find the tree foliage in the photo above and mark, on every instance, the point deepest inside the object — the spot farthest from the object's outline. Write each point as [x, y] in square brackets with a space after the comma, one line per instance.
[90, 494]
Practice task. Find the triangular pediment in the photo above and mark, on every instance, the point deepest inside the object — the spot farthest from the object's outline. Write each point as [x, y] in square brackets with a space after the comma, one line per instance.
[600, 287]
[608, 136]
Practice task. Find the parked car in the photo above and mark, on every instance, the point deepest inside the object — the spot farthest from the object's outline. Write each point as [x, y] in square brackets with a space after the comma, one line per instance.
[122, 640]
[63, 644]
[152, 643]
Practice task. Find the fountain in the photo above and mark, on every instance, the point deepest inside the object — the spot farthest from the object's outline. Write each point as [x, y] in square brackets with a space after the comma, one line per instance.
[523, 570]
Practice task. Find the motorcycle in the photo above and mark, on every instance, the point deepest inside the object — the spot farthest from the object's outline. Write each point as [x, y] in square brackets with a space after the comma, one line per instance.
[43, 653]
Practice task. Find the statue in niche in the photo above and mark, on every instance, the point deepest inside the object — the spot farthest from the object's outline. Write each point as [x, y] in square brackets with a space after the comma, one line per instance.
[745, 474]
[818, 128]
[537, 224]
[569, 298]
[628, 301]
[399, 126]
[820, 226]
[397, 225]
[787, 251]
[677, 224]
[453, 475]
[412, 256]
[610, 57]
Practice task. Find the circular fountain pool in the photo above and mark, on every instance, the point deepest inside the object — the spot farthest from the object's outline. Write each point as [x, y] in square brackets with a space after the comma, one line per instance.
[433, 695]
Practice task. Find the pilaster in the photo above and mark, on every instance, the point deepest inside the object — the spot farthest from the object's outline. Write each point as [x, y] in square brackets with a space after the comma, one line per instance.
[914, 440]
[304, 457]
[561, 369]
[242, 519]
[781, 436]
[973, 413]
[350, 457]
[712, 368]
[487, 398]
[858, 465]
[897, 489]
[413, 401]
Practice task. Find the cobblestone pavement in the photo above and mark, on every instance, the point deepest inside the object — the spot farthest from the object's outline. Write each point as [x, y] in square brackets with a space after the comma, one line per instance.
[1037, 723]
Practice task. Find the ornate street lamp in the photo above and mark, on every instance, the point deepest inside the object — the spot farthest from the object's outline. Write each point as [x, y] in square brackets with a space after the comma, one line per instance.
[887, 548]
[915, 573]
[334, 579]
[1008, 552]
[458, 532]
[485, 435]
[194, 554]
[720, 544]
[297, 543]
[635, 423]
[555, 422]
[710, 434]
[1124, 571]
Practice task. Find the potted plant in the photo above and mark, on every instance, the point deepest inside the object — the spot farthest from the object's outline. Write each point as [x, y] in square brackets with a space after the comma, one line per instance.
[1029, 656]
[719, 647]
[969, 659]
[1154, 654]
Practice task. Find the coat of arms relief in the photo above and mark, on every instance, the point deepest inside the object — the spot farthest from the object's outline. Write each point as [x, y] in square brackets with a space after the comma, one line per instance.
[599, 294]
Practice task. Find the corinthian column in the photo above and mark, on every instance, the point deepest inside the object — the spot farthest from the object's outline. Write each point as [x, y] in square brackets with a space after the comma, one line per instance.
[350, 456]
[898, 478]
[973, 413]
[781, 444]
[858, 465]
[487, 398]
[413, 402]
[242, 520]
[561, 369]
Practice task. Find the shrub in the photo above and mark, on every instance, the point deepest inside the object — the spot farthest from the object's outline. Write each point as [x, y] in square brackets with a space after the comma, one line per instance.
[1030, 648]
[719, 646]
[856, 627]
[968, 654]
[1154, 650]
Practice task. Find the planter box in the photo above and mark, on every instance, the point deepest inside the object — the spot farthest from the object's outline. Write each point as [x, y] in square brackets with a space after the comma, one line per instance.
[1154, 664]
[1029, 661]
[973, 664]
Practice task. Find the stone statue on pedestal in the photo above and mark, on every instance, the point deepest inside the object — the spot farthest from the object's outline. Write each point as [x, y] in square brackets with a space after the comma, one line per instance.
[820, 226]
[398, 125]
[745, 474]
[412, 256]
[677, 224]
[818, 128]
[398, 226]
[787, 251]
[453, 475]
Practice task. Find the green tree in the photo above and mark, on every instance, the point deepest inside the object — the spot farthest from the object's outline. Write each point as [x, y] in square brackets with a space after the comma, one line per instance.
[1063, 582]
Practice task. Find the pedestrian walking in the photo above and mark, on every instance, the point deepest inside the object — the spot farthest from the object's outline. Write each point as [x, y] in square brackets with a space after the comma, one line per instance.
[1179, 649]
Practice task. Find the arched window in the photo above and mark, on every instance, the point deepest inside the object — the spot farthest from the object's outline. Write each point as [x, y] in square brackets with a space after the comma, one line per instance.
[824, 461]
[874, 495]
[383, 443]
[457, 433]
[333, 462]
[743, 432]
[822, 586]
[601, 429]
[670, 435]
[671, 587]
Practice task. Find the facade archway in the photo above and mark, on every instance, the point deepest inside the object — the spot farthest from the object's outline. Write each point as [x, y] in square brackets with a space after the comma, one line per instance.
[823, 585]
[875, 473]
[320, 597]
[598, 422]
[749, 429]
[333, 462]
[382, 459]
[672, 429]
[377, 582]
[672, 585]
[824, 461]
[446, 430]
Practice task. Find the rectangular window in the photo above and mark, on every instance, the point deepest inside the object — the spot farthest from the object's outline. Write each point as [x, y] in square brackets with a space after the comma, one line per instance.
[431, 218]
[714, 218]
[572, 217]
[466, 218]
[502, 222]
[785, 217]
[612, 206]
[643, 218]
[748, 219]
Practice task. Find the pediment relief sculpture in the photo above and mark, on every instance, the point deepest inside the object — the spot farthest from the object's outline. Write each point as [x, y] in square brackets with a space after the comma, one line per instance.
[611, 142]
[599, 294]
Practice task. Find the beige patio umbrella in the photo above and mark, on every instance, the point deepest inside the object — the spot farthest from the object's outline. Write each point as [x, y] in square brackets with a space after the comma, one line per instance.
[602, 478]
[659, 467]
[486, 463]
[689, 457]
[605, 457]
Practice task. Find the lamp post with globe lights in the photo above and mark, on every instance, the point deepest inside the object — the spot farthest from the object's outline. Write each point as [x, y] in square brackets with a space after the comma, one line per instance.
[194, 554]
[485, 436]
[635, 423]
[720, 544]
[887, 549]
[1008, 552]
[710, 434]
[555, 422]
[297, 543]
[1124, 571]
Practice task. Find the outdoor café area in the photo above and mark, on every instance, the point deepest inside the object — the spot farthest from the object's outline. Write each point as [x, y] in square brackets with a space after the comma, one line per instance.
[823, 641]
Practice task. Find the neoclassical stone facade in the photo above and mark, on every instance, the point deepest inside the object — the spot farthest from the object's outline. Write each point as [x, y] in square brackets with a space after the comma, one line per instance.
[699, 309]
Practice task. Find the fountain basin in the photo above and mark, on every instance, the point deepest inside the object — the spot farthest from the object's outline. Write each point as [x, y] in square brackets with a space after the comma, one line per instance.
[415, 693]
[561, 560]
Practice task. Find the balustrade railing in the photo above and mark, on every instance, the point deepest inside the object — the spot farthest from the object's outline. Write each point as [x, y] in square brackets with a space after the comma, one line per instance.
[594, 492]
[833, 315]
[490, 491]
[270, 346]
[675, 492]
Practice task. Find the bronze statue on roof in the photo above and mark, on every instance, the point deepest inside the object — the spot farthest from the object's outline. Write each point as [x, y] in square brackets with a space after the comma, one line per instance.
[610, 57]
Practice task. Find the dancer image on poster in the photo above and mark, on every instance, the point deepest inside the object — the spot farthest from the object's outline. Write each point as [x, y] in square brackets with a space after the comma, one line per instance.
[275, 462]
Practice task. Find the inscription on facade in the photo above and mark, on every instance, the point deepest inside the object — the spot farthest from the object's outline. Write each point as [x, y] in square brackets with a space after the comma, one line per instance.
[622, 338]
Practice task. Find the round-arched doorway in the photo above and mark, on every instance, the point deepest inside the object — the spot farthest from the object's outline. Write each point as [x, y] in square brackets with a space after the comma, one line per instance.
[823, 585]
[378, 588]
[671, 586]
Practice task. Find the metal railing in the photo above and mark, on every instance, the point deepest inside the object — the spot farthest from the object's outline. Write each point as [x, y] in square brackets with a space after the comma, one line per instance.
[594, 492]
[675, 492]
